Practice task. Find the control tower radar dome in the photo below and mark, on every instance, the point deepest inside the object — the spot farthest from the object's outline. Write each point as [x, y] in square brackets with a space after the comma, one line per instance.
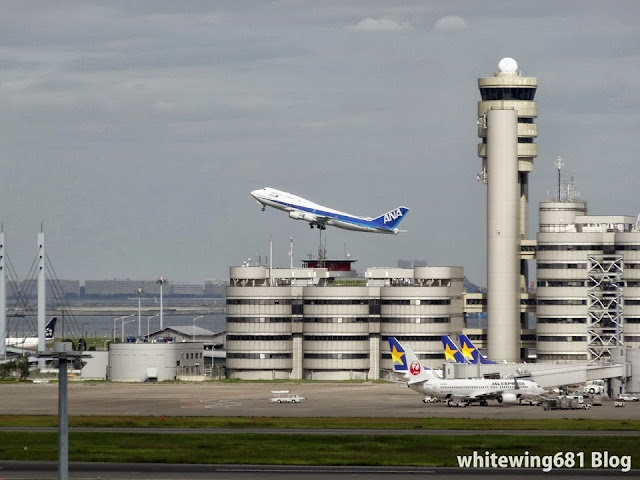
[508, 65]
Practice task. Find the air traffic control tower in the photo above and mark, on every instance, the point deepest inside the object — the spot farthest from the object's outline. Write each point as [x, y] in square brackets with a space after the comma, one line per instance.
[507, 131]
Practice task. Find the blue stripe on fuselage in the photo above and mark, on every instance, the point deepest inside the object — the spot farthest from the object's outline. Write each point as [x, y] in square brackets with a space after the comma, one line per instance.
[344, 218]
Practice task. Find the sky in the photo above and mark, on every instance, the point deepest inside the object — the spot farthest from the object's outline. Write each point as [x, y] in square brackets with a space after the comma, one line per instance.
[133, 132]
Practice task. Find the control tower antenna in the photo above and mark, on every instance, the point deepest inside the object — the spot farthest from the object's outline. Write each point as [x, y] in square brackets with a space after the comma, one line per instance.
[559, 165]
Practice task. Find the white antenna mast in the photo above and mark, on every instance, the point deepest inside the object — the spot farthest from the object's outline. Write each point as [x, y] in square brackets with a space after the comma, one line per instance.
[559, 165]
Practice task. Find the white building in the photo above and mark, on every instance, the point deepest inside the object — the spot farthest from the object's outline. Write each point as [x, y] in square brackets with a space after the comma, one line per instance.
[588, 292]
[141, 362]
[305, 323]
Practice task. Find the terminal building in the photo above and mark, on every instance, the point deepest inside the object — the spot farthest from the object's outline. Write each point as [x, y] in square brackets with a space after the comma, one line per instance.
[304, 323]
[588, 286]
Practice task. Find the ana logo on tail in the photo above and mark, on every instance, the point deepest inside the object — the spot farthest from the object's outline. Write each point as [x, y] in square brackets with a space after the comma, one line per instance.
[392, 215]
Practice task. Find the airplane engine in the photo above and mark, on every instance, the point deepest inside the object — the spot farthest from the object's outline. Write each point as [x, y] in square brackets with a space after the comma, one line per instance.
[302, 216]
[508, 398]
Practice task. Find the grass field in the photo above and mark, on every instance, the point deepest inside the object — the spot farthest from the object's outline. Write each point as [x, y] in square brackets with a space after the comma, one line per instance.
[306, 449]
[280, 449]
[328, 422]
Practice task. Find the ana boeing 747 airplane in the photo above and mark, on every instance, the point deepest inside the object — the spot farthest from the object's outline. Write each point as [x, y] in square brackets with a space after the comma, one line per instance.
[320, 216]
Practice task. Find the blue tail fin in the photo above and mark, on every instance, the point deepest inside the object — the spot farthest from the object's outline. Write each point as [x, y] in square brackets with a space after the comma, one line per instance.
[391, 219]
[406, 364]
[470, 350]
[398, 356]
[451, 352]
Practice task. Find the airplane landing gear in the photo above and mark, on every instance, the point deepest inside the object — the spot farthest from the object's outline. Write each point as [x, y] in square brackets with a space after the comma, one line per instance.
[263, 208]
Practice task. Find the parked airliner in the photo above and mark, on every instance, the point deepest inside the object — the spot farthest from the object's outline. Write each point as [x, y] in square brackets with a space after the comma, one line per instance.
[32, 342]
[467, 390]
[320, 216]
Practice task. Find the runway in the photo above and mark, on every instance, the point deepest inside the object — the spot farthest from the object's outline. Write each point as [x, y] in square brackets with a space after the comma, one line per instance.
[252, 399]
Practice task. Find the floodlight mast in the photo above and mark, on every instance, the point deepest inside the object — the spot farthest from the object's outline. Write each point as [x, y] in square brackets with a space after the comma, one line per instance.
[161, 281]
[139, 292]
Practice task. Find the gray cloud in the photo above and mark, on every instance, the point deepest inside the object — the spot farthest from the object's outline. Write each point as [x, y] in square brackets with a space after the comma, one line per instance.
[136, 130]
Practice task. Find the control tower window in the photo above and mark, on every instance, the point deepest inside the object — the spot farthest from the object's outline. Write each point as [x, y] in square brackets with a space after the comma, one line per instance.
[508, 93]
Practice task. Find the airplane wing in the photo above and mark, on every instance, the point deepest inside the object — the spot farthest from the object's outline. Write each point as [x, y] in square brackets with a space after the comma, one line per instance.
[487, 395]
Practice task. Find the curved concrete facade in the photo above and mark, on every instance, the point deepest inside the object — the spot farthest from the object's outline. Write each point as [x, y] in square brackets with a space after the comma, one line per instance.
[503, 237]
[139, 362]
[565, 294]
[506, 116]
[324, 331]
[420, 315]
[259, 339]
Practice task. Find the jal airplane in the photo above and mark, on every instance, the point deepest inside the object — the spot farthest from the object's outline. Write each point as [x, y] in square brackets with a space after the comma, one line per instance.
[468, 390]
[320, 216]
[32, 342]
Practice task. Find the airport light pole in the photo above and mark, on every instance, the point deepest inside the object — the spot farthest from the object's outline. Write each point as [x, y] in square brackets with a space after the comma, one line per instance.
[63, 352]
[115, 320]
[149, 318]
[123, 323]
[193, 338]
[161, 281]
[139, 292]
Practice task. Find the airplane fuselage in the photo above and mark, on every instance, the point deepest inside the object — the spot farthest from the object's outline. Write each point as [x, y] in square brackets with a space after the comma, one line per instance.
[476, 388]
[24, 342]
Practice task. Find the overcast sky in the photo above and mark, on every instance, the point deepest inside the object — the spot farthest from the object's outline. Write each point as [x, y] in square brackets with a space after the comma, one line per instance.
[136, 130]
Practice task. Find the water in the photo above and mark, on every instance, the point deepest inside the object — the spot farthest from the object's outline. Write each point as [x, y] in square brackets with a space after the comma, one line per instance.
[101, 326]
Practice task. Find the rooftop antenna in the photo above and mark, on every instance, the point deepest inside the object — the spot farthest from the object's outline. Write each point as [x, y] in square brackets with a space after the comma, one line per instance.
[291, 250]
[559, 165]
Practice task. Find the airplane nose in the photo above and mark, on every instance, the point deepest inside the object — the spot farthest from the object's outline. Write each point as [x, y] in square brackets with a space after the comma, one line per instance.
[255, 193]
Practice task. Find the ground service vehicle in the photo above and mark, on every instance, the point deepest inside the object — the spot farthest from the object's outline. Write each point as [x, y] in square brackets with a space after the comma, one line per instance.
[457, 403]
[625, 397]
[573, 402]
[284, 396]
[530, 401]
[430, 399]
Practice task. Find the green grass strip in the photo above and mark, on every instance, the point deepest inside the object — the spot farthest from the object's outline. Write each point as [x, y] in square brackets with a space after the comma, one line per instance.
[581, 424]
[279, 449]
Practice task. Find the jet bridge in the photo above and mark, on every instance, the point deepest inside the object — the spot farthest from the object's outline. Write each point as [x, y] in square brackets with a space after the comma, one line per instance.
[544, 374]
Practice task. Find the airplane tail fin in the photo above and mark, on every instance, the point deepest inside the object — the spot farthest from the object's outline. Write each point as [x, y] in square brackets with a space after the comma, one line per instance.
[468, 346]
[392, 218]
[398, 357]
[406, 363]
[49, 329]
[451, 352]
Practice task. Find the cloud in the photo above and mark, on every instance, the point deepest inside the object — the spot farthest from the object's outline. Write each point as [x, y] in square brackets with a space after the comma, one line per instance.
[450, 23]
[380, 25]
